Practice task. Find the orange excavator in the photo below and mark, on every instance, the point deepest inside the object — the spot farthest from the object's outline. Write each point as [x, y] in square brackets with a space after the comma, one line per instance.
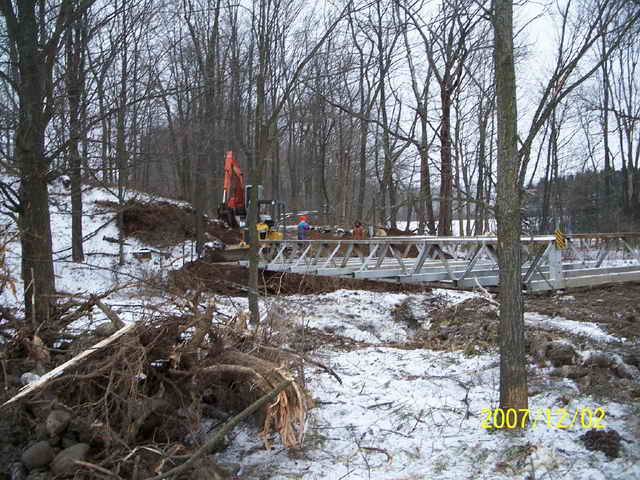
[233, 209]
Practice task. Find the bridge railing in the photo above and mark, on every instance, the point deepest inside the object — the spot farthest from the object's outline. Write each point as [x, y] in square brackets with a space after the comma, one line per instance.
[464, 262]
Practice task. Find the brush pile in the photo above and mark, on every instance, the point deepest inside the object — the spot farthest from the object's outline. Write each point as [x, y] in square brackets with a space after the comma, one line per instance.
[136, 401]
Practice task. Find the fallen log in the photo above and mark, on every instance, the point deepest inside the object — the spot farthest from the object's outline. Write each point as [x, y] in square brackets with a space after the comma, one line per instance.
[27, 389]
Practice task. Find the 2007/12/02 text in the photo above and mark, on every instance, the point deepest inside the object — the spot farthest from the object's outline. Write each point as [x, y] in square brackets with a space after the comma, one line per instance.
[497, 418]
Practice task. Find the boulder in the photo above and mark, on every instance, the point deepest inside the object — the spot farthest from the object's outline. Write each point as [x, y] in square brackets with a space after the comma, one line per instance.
[39, 475]
[69, 440]
[627, 371]
[64, 463]
[38, 455]
[57, 422]
[17, 471]
[561, 353]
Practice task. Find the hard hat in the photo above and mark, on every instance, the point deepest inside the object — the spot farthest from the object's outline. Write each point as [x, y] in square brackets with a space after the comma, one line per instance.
[303, 218]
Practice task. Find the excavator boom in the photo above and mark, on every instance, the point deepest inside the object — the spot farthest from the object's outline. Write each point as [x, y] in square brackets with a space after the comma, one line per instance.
[233, 188]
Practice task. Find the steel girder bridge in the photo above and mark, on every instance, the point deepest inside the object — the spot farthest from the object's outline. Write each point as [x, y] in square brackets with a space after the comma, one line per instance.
[462, 262]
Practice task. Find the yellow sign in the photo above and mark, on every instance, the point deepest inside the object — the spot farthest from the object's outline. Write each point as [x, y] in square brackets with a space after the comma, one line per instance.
[561, 239]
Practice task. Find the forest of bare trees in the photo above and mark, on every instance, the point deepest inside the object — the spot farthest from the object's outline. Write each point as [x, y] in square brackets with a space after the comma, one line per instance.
[391, 117]
[381, 111]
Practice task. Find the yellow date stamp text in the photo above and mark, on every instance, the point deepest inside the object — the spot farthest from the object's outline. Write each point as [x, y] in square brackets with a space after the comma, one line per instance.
[498, 418]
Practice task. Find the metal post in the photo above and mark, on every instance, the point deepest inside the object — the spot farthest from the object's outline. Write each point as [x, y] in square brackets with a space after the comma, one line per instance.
[555, 266]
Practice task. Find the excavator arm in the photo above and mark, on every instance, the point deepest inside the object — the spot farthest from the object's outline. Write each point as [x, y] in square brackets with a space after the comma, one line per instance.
[233, 187]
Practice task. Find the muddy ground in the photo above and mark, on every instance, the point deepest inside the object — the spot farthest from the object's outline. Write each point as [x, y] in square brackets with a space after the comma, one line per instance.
[233, 280]
[616, 307]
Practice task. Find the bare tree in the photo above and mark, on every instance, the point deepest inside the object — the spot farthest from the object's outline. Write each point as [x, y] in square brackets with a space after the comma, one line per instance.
[271, 28]
[447, 43]
[513, 371]
[595, 18]
[35, 31]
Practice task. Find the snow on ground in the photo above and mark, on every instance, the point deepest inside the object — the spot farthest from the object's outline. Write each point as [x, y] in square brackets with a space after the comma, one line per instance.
[361, 315]
[583, 329]
[455, 225]
[358, 315]
[417, 414]
[399, 414]
[100, 271]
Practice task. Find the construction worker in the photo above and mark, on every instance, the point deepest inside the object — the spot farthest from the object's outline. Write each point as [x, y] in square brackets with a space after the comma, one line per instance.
[303, 226]
[358, 234]
[358, 231]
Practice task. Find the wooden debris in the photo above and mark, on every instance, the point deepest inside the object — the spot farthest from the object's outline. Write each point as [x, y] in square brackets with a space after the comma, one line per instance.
[26, 390]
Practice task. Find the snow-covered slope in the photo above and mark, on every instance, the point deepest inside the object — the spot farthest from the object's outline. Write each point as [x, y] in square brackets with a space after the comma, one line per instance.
[100, 271]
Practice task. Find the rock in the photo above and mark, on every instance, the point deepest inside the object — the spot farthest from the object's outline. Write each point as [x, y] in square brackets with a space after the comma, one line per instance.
[82, 430]
[55, 441]
[64, 464]
[38, 455]
[607, 441]
[39, 475]
[561, 353]
[69, 440]
[598, 359]
[17, 471]
[627, 371]
[57, 422]
[40, 432]
[569, 371]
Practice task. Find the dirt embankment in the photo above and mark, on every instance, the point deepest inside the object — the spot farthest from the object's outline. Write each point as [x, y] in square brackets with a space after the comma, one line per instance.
[164, 224]
[616, 307]
[224, 279]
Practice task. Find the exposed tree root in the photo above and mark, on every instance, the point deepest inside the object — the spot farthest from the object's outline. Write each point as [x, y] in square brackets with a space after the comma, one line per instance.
[147, 388]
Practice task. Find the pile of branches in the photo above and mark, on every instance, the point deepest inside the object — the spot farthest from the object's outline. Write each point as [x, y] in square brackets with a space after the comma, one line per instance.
[140, 397]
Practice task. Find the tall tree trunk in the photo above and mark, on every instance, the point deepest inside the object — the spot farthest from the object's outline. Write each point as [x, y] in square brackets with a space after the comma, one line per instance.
[425, 181]
[121, 150]
[75, 47]
[481, 207]
[34, 84]
[260, 153]
[362, 163]
[446, 179]
[513, 371]
[605, 126]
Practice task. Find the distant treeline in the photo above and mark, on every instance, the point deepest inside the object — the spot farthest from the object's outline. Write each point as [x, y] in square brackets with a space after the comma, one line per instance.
[586, 202]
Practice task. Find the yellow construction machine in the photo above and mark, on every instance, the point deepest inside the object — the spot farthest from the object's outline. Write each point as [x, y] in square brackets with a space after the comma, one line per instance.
[233, 211]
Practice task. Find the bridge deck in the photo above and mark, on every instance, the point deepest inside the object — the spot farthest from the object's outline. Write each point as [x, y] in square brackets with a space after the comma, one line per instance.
[463, 262]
